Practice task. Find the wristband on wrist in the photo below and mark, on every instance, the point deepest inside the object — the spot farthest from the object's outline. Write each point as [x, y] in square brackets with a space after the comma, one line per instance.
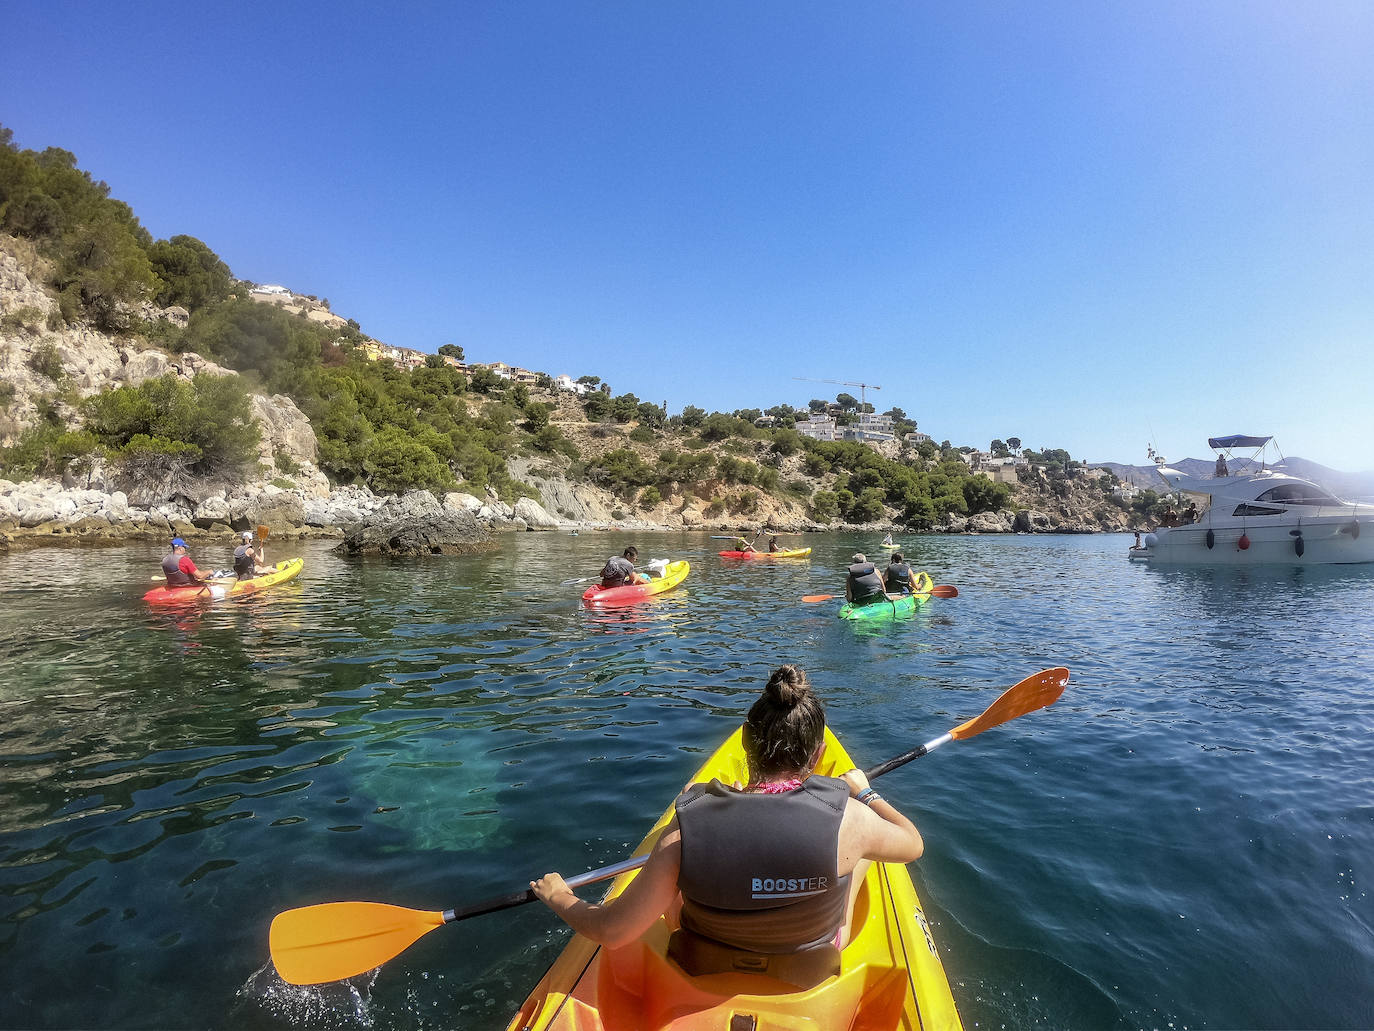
[868, 796]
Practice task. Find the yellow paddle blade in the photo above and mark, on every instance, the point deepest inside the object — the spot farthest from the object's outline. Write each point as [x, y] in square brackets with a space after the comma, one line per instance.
[335, 940]
[1035, 692]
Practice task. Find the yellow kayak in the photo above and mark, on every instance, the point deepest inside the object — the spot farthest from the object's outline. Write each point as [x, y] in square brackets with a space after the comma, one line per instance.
[890, 975]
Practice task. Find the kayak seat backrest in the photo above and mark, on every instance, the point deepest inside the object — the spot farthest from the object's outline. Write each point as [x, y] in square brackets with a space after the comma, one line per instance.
[698, 956]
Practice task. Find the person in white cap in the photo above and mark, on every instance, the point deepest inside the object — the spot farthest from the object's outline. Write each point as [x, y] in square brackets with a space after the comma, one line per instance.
[248, 561]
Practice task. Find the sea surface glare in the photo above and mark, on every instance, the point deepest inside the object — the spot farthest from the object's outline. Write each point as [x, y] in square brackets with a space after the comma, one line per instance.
[1184, 840]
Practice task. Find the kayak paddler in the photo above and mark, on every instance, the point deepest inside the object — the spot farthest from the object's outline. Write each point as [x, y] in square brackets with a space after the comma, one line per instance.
[178, 567]
[864, 584]
[899, 577]
[620, 571]
[769, 867]
[249, 561]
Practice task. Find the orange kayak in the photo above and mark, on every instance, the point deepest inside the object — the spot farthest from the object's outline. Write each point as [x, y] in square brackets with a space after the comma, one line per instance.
[890, 975]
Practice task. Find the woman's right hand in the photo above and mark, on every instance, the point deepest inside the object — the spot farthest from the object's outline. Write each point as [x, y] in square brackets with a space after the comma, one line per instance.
[549, 887]
[857, 781]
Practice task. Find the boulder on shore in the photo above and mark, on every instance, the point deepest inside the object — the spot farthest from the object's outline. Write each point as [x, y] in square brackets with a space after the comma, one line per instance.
[441, 532]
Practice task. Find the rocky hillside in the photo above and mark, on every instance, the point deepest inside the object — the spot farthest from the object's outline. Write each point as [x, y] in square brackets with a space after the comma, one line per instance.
[49, 365]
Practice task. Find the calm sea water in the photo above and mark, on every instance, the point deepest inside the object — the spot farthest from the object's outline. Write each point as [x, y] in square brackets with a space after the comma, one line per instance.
[1183, 841]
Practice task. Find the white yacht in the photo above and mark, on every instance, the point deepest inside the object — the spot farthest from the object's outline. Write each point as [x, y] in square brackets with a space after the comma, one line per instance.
[1250, 513]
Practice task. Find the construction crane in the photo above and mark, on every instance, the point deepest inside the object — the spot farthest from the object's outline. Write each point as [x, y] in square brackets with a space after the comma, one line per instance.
[844, 383]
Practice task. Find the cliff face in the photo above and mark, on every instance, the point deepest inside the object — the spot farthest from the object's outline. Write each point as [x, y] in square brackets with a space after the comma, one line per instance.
[91, 361]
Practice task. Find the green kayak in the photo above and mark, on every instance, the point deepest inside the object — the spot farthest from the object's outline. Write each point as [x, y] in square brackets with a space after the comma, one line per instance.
[895, 605]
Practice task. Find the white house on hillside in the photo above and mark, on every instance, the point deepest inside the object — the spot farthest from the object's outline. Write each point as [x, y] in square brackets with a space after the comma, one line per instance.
[818, 427]
[566, 382]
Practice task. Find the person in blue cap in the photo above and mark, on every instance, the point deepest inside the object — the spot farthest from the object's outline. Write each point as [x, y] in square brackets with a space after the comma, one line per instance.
[178, 567]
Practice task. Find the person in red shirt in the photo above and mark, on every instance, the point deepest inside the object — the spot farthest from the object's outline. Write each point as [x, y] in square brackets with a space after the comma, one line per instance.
[178, 567]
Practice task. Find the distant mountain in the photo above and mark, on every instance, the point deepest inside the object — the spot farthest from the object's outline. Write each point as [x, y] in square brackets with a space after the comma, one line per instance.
[1348, 486]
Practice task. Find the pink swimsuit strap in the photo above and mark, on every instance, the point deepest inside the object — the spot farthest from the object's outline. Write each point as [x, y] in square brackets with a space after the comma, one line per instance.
[776, 787]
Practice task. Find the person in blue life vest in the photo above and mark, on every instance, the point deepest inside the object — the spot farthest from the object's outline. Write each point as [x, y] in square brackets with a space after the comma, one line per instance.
[864, 584]
[620, 571]
[899, 577]
[249, 561]
[178, 567]
[715, 869]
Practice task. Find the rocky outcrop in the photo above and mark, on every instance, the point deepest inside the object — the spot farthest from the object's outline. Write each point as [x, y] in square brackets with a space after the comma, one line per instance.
[417, 524]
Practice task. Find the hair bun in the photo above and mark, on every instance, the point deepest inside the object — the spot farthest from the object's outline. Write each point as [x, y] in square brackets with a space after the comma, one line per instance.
[788, 686]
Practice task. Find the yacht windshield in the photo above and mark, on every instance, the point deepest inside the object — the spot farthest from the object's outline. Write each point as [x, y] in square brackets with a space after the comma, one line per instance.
[1297, 494]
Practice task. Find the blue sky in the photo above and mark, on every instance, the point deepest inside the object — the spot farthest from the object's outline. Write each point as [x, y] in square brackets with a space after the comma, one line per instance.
[1091, 226]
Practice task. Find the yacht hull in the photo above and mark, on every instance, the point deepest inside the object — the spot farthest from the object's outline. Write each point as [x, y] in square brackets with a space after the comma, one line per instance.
[1322, 543]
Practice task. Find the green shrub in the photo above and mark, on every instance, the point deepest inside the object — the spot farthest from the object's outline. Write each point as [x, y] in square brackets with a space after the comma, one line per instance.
[27, 318]
[46, 450]
[45, 361]
[650, 497]
[210, 415]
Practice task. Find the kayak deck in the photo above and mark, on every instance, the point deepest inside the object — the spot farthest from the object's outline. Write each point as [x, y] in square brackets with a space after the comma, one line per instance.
[890, 975]
[673, 574]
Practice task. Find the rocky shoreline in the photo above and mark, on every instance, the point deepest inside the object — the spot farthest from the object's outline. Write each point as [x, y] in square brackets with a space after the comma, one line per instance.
[41, 512]
[44, 512]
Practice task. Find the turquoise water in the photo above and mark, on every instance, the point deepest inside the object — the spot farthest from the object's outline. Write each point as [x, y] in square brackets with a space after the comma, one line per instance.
[1183, 841]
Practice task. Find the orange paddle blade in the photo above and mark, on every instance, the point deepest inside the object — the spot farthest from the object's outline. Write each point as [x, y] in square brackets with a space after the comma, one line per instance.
[329, 942]
[263, 531]
[944, 591]
[817, 597]
[1035, 692]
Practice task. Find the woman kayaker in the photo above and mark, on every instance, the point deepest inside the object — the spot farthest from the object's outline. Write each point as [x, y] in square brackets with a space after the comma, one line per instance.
[765, 867]
[248, 560]
[899, 578]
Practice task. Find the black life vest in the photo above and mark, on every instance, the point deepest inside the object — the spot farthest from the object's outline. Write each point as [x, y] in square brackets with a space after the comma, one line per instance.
[243, 562]
[617, 572]
[759, 871]
[171, 568]
[865, 583]
[898, 578]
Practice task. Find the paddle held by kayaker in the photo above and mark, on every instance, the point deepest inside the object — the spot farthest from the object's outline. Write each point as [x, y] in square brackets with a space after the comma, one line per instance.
[772, 866]
[178, 567]
[619, 571]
